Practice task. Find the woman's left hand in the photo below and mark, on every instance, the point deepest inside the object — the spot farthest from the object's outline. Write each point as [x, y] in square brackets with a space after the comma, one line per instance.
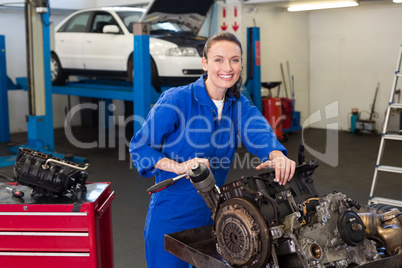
[284, 167]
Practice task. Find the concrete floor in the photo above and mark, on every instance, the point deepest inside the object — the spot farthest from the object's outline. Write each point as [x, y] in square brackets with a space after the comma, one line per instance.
[349, 169]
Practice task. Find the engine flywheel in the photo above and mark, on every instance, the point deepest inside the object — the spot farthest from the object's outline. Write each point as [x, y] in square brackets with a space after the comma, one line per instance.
[242, 234]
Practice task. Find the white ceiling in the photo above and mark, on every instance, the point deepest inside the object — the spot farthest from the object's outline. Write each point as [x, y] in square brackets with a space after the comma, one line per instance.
[79, 4]
[287, 3]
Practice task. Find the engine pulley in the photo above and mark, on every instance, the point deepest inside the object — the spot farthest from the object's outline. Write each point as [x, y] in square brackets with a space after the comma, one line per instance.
[351, 228]
[242, 234]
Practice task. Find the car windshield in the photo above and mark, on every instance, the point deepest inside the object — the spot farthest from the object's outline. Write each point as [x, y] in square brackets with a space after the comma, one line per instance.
[160, 28]
[129, 17]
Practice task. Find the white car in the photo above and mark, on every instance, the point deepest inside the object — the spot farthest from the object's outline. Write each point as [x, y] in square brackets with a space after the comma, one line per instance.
[99, 42]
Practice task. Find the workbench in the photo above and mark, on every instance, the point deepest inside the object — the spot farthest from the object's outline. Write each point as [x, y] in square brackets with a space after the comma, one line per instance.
[56, 231]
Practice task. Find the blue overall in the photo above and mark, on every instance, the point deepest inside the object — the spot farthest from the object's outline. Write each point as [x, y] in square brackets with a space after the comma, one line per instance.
[183, 125]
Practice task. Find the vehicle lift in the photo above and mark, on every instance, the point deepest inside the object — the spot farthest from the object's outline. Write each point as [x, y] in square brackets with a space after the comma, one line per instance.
[253, 81]
[40, 118]
[40, 89]
[116, 90]
[4, 119]
[40, 121]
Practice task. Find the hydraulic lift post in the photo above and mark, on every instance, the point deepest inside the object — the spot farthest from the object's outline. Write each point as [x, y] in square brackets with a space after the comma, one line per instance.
[142, 74]
[39, 85]
[253, 82]
[4, 120]
[40, 118]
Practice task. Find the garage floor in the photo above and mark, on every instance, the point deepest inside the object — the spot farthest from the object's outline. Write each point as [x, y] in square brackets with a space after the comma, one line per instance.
[350, 173]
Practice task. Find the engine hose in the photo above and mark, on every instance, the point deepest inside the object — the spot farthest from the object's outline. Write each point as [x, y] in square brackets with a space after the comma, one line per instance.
[275, 205]
[6, 178]
[270, 199]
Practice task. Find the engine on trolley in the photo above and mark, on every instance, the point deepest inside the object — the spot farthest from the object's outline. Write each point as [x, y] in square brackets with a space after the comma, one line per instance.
[259, 223]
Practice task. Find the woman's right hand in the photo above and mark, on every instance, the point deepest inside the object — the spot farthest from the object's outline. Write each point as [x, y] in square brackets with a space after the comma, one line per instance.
[185, 167]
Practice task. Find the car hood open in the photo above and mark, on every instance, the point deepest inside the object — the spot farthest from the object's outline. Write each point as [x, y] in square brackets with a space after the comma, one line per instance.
[191, 13]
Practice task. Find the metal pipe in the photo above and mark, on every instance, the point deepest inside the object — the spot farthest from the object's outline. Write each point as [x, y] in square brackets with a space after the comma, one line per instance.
[389, 233]
[46, 165]
[29, 47]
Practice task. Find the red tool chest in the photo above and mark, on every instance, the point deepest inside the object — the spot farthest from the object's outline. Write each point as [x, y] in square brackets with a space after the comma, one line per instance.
[66, 231]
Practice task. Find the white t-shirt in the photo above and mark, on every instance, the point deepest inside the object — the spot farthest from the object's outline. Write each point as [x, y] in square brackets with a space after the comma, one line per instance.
[219, 104]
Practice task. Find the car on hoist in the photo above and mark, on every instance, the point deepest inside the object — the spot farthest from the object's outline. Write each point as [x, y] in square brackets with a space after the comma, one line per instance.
[98, 42]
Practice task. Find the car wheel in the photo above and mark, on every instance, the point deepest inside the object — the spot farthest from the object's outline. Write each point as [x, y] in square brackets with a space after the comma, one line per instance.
[154, 74]
[155, 77]
[58, 75]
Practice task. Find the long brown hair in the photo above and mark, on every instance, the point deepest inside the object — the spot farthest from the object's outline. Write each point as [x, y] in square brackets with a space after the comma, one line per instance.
[225, 36]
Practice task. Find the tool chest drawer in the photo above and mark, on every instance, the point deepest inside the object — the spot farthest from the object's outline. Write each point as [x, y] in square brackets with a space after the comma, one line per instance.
[43, 221]
[59, 260]
[57, 231]
[44, 241]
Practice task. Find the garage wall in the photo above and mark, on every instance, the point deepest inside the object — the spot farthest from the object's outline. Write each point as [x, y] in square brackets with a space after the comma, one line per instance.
[334, 55]
[284, 38]
[351, 50]
[16, 66]
[12, 26]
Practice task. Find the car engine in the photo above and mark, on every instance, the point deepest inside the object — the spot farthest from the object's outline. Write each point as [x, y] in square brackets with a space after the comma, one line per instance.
[46, 174]
[259, 223]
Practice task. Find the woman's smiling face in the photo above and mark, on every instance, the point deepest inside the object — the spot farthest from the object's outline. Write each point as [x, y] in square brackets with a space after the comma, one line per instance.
[223, 65]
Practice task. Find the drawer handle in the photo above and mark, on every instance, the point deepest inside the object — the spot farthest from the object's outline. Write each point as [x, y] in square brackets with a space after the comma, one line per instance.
[105, 205]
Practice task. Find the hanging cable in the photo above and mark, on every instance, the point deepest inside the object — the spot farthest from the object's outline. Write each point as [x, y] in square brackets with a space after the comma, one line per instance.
[6, 178]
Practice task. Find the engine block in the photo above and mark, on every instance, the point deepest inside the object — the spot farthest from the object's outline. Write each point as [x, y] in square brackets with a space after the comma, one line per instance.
[259, 223]
[46, 174]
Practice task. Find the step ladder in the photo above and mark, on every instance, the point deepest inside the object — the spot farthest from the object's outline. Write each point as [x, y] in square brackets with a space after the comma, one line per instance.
[386, 136]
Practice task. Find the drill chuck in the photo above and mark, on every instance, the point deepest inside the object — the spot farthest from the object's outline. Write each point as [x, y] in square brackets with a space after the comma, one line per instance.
[203, 180]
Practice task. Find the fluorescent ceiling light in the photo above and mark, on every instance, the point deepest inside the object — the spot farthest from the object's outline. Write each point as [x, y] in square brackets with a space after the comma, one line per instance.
[397, 1]
[324, 5]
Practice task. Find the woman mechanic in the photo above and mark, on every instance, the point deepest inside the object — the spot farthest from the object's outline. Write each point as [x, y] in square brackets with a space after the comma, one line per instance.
[200, 122]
